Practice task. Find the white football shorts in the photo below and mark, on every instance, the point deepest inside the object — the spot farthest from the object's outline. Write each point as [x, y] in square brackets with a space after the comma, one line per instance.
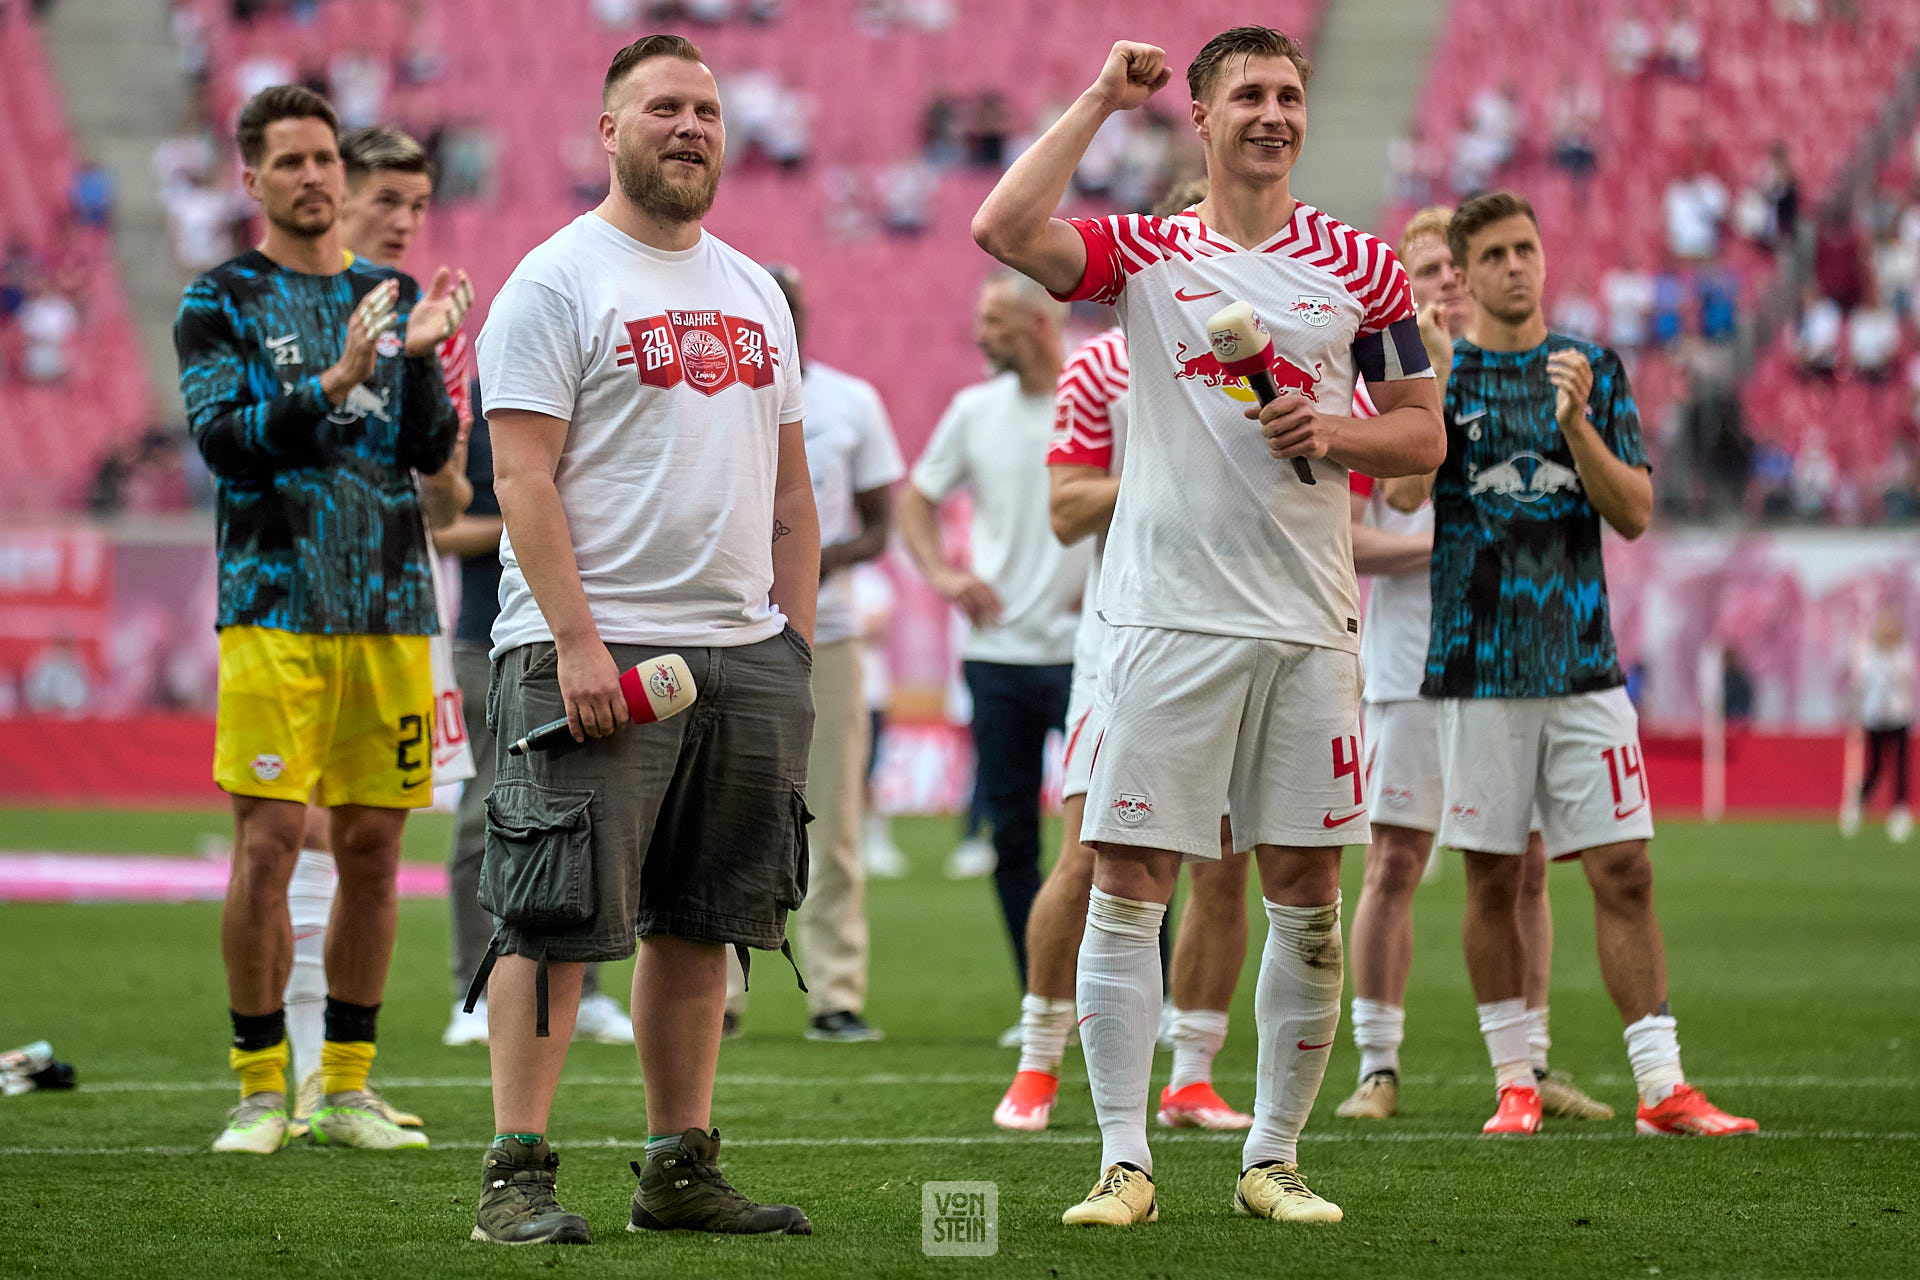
[1083, 728]
[1570, 765]
[1402, 744]
[1195, 724]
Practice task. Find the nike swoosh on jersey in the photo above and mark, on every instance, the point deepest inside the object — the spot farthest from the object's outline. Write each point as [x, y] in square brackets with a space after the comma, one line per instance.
[1330, 822]
[408, 786]
[1181, 295]
[1618, 812]
[1308, 1048]
[1475, 416]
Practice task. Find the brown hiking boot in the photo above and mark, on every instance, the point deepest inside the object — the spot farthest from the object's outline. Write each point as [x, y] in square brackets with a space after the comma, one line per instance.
[682, 1190]
[517, 1204]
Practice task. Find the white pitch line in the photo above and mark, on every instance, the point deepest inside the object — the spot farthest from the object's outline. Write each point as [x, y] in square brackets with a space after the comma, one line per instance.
[1037, 1139]
[882, 1079]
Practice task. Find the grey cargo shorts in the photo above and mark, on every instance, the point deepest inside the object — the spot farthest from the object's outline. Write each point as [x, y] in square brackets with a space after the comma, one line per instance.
[693, 827]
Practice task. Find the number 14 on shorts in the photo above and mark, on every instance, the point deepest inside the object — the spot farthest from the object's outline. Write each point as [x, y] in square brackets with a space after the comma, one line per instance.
[1626, 771]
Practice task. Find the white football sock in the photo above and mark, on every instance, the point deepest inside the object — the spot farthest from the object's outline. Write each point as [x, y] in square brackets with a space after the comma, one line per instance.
[310, 904]
[1044, 1026]
[1118, 995]
[1296, 1013]
[1538, 1041]
[1504, 1024]
[1197, 1037]
[1653, 1047]
[1378, 1029]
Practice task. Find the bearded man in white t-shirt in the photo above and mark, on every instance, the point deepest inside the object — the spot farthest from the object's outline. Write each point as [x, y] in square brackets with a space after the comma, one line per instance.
[1021, 589]
[1231, 681]
[642, 382]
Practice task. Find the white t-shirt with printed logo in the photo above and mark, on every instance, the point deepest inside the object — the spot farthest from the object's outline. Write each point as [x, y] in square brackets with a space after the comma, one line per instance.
[850, 450]
[675, 372]
[1090, 430]
[993, 440]
[1211, 533]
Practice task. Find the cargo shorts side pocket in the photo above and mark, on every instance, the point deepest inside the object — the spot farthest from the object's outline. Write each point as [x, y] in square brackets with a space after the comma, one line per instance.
[793, 886]
[538, 867]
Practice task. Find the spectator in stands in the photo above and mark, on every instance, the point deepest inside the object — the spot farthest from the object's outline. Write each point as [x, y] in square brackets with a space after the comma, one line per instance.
[1630, 44]
[986, 131]
[466, 154]
[202, 218]
[1476, 158]
[1695, 204]
[1873, 340]
[357, 83]
[47, 321]
[1882, 679]
[18, 274]
[1816, 346]
[906, 192]
[1413, 166]
[1669, 302]
[90, 198]
[1896, 269]
[1497, 117]
[1769, 209]
[1719, 451]
[1681, 44]
[1839, 259]
[1816, 476]
[1716, 295]
[55, 683]
[1576, 314]
[1575, 119]
[616, 15]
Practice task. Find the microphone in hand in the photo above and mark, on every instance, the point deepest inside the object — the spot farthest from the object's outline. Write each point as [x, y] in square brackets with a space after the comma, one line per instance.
[654, 689]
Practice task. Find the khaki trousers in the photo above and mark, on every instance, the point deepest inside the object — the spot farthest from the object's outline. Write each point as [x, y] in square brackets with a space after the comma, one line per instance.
[830, 928]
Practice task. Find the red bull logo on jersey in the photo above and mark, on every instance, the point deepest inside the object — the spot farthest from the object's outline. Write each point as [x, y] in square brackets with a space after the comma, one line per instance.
[1205, 368]
[1132, 809]
[1525, 477]
[1314, 308]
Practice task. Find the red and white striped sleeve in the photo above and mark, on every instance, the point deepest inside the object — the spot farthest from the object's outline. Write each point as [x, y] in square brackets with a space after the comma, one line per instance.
[458, 369]
[1094, 376]
[1363, 406]
[1119, 246]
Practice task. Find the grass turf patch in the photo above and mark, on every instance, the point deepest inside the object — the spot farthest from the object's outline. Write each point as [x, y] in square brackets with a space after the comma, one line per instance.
[1795, 970]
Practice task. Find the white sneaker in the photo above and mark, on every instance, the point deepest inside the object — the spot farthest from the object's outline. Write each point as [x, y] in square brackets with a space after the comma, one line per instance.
[1900, 824]
[466, 1028]
[1850, 819]
[879, 853]
[971, 858]
[258, 1126]
[603, 1021]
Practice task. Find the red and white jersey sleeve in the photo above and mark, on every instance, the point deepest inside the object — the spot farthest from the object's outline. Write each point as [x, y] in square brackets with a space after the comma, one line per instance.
[1088, 397]
[458, 369]
[1213, 534]
[1090, 430]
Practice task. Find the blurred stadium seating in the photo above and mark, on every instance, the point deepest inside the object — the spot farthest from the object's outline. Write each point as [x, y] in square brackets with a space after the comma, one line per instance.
[894, 308]
[1762, 76]
[55, 431]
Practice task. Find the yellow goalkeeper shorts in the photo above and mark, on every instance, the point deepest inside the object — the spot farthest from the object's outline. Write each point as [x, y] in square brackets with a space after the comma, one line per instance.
[331, 719]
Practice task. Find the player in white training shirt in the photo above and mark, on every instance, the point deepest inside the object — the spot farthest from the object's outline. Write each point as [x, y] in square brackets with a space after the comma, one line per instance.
[1402, 744]
[1232, 680]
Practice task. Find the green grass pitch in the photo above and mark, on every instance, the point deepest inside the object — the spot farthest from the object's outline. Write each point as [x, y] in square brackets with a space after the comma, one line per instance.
[1795, 960]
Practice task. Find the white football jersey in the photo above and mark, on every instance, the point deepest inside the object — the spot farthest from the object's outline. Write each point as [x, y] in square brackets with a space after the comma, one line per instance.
[1090, 430]
[1393, 636]
[1211, 533]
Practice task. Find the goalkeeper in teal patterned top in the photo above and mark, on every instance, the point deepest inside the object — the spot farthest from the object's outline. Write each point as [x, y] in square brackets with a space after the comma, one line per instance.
[313, 392]
[1543, 443]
